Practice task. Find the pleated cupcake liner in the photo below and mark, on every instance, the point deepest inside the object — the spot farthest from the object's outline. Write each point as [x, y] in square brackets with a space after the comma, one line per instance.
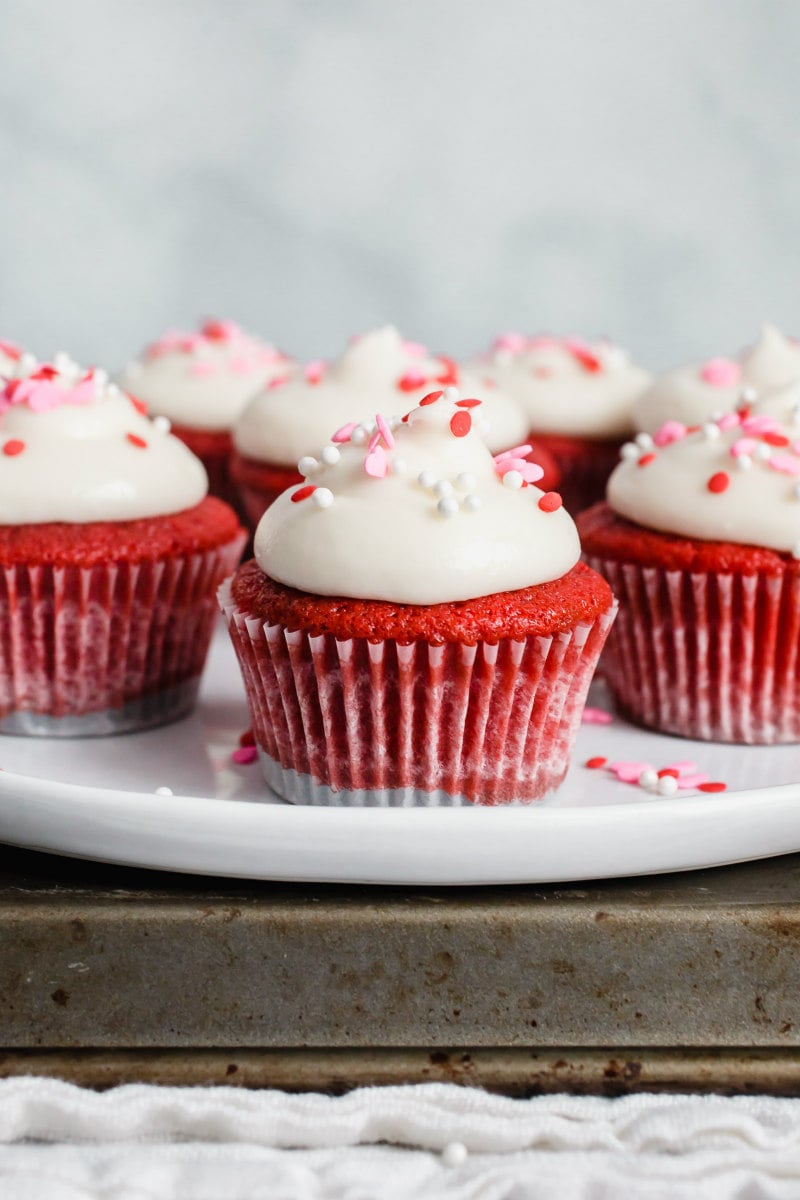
[109, 648]
[702, 655]
[380, 723]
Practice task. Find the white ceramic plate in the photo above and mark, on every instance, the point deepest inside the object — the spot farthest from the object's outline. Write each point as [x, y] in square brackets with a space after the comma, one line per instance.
[96, 799]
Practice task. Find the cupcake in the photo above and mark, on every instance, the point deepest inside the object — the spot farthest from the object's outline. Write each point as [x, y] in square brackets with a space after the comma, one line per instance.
[110, 557]
[416, 627]
[201, 383]
[578, 397]
[378, 370]
[700, 541]
[701, 391]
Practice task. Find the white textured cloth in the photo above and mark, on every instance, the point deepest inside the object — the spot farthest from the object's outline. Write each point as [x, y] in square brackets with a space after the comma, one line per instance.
[437, 1142]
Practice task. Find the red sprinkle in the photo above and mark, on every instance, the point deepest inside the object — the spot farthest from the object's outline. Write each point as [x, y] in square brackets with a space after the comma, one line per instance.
[431, 398]
[669, 771]
[410, 382]
[13, 446]
[550, 502]
[44, 372]
[719, 482]
[589, 362]
[137, 441]
[595, 763]
[711, 786]
[303, 493]
[646, 458]
[247, 738]
[449, 377]
[744, 411]
[775, 439]
[467, 403]
[139, 405]
[460, 424]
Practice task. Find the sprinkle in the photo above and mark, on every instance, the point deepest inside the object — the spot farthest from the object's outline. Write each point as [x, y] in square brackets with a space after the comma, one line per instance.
[307, 464]
[787, 463]
[410, 381]
[322, 497]
[550, 502]
[646, 459]
[711, 431]
[344, 432]
[719, 482]
[448, 377]
[466, 481]
[277, 382]
[247, 738]
[139, 405]
[673, 771]
[398, 465]
[448, 506]
[468, 403]
[426, 479]
[712, 786]
[596, 716]
[595, 763]
[164, 791]
[443, 487]
[648, 779]
[748, 395]
[762, 424]
[162, 424]
[330, 456]
[314, 371]
[721, 372]
[670, 431]
[384, 431]
[244, 755]
[472, 502]
[136, 441]
[729, 421]
[629, 450]
[460, 424]
[667, 785]
[359, 435]
[13, 447]
[303, 493]
[376, 464]
[451, 394]
[629, 772]
[744, 445]
[775, 439]
[644, 441]
[586, 357]
[513, 480]
[763, 452]
[515, 452]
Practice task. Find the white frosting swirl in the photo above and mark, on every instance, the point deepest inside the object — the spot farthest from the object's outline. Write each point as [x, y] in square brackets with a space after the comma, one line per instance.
[568, 386]
[439, 525]
[375, 372]
[203, 380]
[73, 448]
[698, 392]
[737, 479]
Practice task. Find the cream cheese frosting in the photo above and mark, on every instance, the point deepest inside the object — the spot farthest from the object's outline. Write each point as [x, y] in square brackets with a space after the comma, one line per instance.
[700, 391]
[203, 380]
[417, 511]
[566, 385]
[74, 448]
[735, 479]
[378, 369]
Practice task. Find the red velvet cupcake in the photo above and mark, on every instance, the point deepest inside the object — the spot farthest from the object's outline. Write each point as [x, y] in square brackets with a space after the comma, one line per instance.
[201, 382]
[700, 541]
[578, 397]
[110, 556]
[379, 370]
[416, 628]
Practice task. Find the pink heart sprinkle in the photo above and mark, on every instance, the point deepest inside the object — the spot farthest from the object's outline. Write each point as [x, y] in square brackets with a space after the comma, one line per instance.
[376, 464]
[721, 372]
[244, 755]
[629, 772]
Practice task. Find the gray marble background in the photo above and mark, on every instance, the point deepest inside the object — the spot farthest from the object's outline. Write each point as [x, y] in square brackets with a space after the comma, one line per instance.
[629, 167]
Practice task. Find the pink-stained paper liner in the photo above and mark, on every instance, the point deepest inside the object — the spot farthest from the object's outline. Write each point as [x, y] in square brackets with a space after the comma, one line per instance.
[380, 723]
[709, 656]
[106, 649]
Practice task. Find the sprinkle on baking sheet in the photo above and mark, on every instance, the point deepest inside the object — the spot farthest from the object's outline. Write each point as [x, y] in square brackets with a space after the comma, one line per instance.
[594, 764]
[243, 755]
[719, 482]
[595, 716]
[662, 781]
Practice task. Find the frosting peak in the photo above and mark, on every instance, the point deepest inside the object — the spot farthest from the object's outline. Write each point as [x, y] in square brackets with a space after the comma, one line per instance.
[415, 510]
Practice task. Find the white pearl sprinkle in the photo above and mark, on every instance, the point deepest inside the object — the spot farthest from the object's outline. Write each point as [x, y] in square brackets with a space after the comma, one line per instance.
[448, 506]
[359, 435]
[330, 456]
[27, 363]
[629, 450]
[443, 487]
[113, 391]
[398, 465]
[472, 502]
[644, 441]
[322, 497]
[466, 480]
[513, 480]
[764, 451]
[667, 785]
[454, 1154]
[648, 779]
[744, 462]
[748, 395]
[61, 361]
[711, 431]
[162, 424]
[164, 791]
[451, 393]
[426, 479]
[307, 465]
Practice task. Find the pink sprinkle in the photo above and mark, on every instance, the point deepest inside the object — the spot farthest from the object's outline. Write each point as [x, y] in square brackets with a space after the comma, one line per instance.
[244, 755]
[314, 371]
[510, 464]
[629, 772]
[670, 431]
[743, 445]
[343, 434]
[515, 342]
[384, 431]
[243, 365]
[415, 349]
[514, 452]
[760, 424]
[721, 372]
[203, 366]
[374, 441]
[376, 464]
[277, 382]
[729, 420]
[596, 716]
[787, 463]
